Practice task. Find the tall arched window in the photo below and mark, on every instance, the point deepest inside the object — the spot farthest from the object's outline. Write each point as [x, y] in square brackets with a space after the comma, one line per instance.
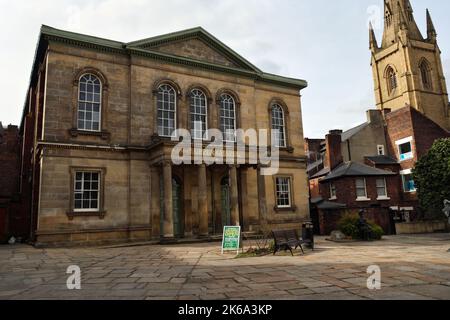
[199, 114]
[167, 110]
[425, 75]
[391, 77]
[227, 114]
[89, 103]
[278, 126]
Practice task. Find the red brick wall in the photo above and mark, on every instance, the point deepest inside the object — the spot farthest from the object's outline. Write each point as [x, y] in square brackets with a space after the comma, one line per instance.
[9, 162]
[377, 210]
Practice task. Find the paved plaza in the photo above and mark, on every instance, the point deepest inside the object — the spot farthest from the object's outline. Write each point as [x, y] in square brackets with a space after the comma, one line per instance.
[413, 267]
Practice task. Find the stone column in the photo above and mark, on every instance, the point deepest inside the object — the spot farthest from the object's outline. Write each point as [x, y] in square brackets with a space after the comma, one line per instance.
[203, 201]
[262, 205]
[168, 201]
[188, 219]
[234, 197]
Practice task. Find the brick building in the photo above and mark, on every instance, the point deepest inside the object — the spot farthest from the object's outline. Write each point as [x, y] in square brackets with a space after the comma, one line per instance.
[10, 214]
[97, 129]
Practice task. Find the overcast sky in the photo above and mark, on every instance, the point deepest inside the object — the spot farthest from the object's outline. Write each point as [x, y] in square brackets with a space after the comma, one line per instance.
[324, 42]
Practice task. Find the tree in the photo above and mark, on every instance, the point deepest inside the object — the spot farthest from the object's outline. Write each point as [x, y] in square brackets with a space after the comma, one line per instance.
[432, 179]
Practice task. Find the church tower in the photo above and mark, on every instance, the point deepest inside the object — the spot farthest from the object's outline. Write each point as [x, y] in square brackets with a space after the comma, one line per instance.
[407, 67]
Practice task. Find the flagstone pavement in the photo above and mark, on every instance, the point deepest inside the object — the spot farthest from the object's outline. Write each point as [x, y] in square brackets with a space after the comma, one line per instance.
[412, 267]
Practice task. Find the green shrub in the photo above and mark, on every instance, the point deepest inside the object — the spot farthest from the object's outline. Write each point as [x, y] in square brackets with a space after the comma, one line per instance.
[377, 231]
[348, 225]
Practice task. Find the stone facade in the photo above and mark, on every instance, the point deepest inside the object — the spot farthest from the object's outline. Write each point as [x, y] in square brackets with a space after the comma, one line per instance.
[143, 195]
[407, 67]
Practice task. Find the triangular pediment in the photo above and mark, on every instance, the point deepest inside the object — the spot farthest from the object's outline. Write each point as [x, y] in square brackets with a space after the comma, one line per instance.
[196, 44]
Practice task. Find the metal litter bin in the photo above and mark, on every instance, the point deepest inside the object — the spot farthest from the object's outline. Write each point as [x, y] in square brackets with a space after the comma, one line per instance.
[308, 234]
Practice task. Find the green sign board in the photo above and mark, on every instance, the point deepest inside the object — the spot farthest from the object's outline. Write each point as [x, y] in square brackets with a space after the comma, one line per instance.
[231, 239]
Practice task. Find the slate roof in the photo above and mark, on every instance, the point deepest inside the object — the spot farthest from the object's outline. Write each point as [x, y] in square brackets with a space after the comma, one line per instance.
[323, 204]
[382, 160]
[350, 133]
[321, 173]
[354, 169]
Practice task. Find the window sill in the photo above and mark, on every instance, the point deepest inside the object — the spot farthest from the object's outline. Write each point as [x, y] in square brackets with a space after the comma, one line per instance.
[285, 209]
[105, 135]
[383, 198]
[287, 149]
[332, 198]
[363, 199]
[73, 214]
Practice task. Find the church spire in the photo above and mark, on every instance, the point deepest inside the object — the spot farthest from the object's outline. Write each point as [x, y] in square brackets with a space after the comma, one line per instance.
[431, 31]
[398, 16]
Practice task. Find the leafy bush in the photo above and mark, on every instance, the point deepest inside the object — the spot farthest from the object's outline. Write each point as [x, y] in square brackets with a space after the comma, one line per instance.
[348, 225]
[377, 231]
[431, 176]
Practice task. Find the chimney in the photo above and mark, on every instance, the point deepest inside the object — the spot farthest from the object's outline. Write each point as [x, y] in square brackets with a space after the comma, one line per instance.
[374, 116]
[333, 156]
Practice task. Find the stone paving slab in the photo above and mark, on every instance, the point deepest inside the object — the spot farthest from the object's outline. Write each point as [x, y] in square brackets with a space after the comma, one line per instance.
[415, 267]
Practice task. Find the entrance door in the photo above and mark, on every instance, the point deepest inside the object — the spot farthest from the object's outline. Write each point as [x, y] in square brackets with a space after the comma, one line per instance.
[226, 202]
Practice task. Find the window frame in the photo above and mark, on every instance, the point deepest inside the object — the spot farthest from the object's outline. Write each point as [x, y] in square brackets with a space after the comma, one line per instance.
[381, 148]
[403, 174]
[333, 191]
[290, 193]
[401, 143]
[205, 136]
[82, 190]
[104, 100]
[92, 102]
[278, 106]
[82, 212]
[386, 194]
[224, 133]
[359, 198]
[175, 111]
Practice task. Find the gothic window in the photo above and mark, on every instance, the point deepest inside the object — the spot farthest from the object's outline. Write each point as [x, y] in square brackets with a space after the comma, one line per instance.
[167, 110]
[425, 75]
[199, 114]
[391, 77]
[89, 103]
[227, 115]
[278, 126]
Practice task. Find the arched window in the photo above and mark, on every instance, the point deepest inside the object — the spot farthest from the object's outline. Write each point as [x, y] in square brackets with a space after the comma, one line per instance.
[199, 114]
[425, 75]
[167, 110]
[227, 114]
[89, 103]
[278, 126]
[391, 77]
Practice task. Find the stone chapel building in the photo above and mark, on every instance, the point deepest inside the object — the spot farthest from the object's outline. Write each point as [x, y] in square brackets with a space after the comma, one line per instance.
[97, 126]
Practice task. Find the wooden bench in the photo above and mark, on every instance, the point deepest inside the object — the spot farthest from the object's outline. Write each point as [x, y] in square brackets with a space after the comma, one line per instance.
[286, 240]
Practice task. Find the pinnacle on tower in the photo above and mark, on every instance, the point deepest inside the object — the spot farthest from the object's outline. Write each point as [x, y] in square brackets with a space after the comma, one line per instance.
[373, 40]
[431, 31]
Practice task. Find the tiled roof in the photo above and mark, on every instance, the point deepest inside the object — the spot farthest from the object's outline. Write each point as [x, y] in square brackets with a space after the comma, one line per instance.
[382, 160]
[354, 169]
